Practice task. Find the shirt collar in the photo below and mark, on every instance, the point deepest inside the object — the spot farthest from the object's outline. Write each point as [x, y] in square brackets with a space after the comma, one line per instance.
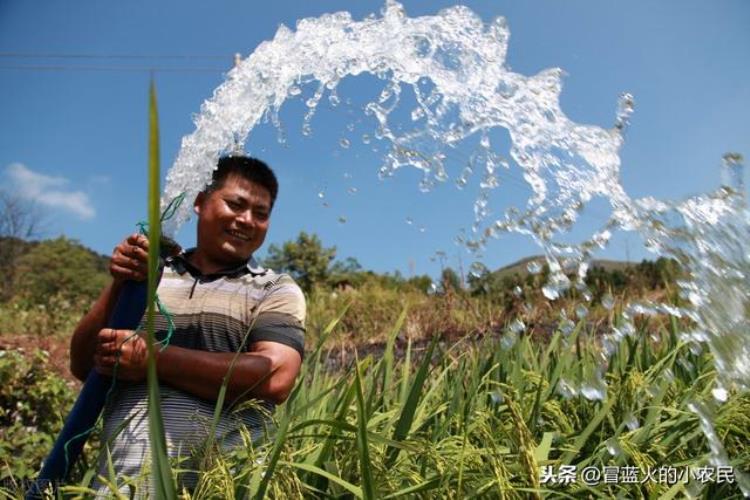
[181, 264]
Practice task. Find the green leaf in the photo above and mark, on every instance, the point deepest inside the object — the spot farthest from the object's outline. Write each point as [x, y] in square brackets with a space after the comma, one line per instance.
[410, 408]
[161, 471]
[581, 439]
[430, 484]
[541, 453]
[362, 441]
[388, 355]
[355, 490]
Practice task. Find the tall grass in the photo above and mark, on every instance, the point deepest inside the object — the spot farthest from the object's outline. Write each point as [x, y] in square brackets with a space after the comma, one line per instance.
[481, 422]
[469, 420]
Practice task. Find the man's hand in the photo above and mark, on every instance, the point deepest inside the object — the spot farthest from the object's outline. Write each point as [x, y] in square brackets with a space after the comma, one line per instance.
[126, 349]
[130, 259]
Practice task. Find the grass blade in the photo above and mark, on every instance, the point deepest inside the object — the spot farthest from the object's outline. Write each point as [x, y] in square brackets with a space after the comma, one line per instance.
[355, 490]
[362, 441]
[161, 471]
[407, 413]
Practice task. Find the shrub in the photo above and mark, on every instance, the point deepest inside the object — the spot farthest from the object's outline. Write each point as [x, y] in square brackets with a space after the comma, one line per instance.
[33, 404]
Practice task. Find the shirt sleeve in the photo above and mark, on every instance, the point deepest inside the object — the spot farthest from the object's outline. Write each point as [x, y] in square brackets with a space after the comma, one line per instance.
[281, 314]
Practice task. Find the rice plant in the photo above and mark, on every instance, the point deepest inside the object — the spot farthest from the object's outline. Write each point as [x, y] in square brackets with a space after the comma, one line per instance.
[456, 421]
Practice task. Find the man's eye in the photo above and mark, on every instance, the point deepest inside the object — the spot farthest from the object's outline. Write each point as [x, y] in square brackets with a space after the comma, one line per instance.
[233, 204]
[261, 215]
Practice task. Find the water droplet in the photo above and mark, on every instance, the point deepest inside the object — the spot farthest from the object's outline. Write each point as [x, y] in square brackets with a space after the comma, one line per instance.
[426, 184]
[497, 397]
[625, 105]
[516, 326]
[565, 389]
[695, 349]
[342, 220]
[344, 143]
[294, 90]
[347, 175]
[334, 100]
[613, 447]
[352, 190]
[720, 394]
[478, 269]
[409, 221]
[325, 204]
[631, 422]
[608, 302]
[567, 326]
[551, 292]
[627, 329]
[508, 340]
[581, 311]
[517, 291]
[422, 229]
[733, 172]
[609, 345]
[593, 392]
[534, 267]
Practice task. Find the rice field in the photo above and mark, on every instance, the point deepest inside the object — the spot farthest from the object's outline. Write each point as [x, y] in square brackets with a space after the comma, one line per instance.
[492, 421]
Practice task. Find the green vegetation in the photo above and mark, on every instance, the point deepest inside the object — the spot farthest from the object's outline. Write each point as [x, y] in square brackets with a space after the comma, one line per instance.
[52, 282]
[480, 420]
[305, 260]
[480, 416]
[34, 400]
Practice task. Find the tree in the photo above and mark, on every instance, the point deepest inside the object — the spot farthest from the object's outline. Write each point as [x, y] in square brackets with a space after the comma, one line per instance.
[423, 282]
[449, 280]
[305, 260]
[62, 269]
[19, 221]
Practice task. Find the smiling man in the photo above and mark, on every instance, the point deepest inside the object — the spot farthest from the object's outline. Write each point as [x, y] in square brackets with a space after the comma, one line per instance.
[220, 301]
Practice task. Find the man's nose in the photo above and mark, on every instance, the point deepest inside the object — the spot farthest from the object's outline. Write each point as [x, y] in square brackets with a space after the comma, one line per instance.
[245, 217]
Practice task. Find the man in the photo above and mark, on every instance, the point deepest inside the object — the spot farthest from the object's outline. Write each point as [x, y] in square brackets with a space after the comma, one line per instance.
[221, 302]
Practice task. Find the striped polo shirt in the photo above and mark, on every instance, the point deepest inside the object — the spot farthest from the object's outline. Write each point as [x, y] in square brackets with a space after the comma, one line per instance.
[222, 312]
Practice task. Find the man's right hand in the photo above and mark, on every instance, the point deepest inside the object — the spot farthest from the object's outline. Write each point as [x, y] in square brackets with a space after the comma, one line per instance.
[130, 259]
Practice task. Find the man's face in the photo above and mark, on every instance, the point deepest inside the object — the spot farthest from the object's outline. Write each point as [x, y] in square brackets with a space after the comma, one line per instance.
[232, 221]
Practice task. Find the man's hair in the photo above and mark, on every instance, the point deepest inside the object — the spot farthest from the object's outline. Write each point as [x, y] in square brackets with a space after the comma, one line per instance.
[247, 167]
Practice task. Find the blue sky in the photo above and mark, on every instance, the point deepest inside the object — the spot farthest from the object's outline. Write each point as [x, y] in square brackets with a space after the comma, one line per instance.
[75, 128]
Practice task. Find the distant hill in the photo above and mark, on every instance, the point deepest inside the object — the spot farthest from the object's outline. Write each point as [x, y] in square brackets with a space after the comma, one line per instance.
[520, 267]
[22, 247]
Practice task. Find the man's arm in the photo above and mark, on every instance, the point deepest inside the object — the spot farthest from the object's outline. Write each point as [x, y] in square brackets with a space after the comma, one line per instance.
[267, 371]
[128, 262]
[83, 342]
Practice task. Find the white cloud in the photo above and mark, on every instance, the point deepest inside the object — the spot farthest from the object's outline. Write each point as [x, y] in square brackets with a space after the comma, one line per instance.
[50, 191]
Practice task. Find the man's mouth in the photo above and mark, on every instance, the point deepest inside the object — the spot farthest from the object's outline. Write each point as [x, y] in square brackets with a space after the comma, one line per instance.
[239, 235]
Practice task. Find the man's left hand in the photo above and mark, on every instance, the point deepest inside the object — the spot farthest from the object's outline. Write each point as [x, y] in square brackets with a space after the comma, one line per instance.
[123, 348]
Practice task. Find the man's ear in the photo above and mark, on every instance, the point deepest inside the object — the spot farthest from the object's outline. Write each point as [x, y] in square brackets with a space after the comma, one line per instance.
[199, 202]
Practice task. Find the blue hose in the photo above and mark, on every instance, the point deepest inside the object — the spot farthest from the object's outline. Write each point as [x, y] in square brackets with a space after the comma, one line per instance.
[127, 314]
